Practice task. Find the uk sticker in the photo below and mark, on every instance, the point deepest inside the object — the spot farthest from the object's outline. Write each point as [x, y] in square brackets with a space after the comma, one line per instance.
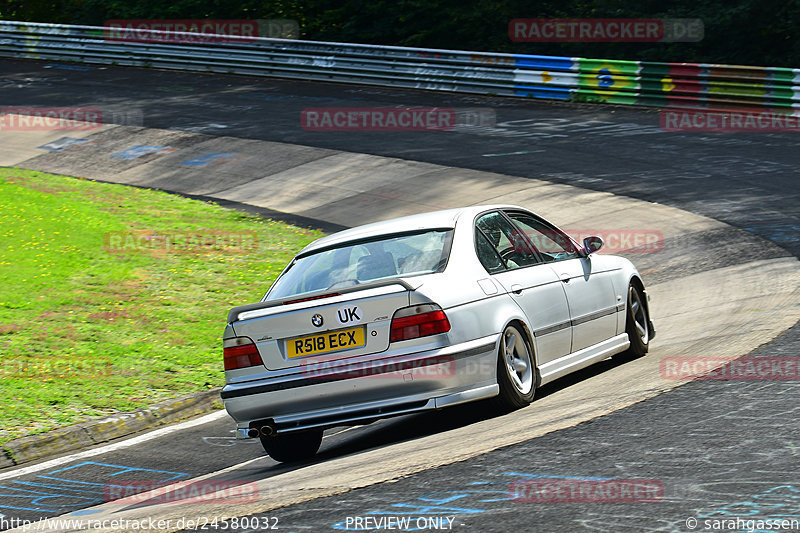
[349, 315]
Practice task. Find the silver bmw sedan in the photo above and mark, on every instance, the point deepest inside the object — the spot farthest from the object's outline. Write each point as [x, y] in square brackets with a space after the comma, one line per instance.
[424, 312]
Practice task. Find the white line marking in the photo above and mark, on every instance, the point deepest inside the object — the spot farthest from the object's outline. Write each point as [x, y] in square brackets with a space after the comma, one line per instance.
[116, 446]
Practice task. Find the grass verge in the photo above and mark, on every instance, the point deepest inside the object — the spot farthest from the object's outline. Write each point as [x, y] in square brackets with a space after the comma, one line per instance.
[114, 298]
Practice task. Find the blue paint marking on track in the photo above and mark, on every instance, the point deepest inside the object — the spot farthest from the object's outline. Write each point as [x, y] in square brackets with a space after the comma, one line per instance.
[122, 470]
[54, 486]
[69, 492]
[32, 500]
[84, 512]
[460, 494]
[777, 232]
[210, 157]
[781, 502]
[524, 476]
[62, 143]
[140, 150]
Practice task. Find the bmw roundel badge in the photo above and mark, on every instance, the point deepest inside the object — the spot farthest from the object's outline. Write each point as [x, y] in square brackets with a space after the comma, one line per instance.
[317, 320]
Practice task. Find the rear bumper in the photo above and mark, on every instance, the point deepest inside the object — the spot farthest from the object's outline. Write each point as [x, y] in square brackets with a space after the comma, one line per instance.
[318, 397]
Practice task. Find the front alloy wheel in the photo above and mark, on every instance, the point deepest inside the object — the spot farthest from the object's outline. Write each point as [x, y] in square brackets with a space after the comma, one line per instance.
[636, 324]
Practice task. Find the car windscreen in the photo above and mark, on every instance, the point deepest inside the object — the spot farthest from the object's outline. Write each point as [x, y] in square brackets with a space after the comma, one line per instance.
[364, 261]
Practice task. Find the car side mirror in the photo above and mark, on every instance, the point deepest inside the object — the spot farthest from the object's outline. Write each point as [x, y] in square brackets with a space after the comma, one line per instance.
[592, 244]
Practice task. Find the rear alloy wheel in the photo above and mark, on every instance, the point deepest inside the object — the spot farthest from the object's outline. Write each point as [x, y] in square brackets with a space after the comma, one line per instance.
[294, 446]
[516, 373]
[636, 325]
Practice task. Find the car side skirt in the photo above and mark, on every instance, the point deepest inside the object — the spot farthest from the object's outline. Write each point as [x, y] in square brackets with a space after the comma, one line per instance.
[583, 358]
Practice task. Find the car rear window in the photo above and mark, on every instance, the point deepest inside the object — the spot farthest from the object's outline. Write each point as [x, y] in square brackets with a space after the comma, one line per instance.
[364, 261]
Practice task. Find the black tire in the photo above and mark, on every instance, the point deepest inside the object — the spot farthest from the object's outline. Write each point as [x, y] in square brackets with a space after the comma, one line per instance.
[516, 371]
[637, 324]
[294, 446]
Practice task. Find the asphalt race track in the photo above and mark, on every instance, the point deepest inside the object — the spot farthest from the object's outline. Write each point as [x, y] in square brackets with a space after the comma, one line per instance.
[748, 180]
[716, 449]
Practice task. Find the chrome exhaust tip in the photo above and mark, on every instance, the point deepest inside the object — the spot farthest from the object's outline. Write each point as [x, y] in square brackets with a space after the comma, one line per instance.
[253, 433]
[266, 431]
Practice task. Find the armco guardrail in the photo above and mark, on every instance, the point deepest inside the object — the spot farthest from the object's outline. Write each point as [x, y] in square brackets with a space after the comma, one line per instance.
[560, 78]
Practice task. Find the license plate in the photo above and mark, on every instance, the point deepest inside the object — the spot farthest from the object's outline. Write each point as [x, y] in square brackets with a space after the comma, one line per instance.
[332, 341]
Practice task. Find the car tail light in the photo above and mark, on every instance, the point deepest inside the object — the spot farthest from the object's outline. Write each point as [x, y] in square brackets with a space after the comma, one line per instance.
[418, 321]
[240, 353]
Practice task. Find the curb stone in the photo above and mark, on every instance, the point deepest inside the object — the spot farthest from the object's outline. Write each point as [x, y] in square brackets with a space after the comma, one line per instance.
[71, 438]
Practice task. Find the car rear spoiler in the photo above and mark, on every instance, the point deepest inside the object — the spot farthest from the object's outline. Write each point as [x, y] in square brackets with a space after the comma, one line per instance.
[233, 314]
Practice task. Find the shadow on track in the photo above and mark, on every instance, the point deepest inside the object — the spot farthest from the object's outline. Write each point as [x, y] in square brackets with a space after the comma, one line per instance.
[339, 443]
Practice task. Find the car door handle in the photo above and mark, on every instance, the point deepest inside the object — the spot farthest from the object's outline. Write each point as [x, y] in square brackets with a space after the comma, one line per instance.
[565, 278]
[516, 289]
